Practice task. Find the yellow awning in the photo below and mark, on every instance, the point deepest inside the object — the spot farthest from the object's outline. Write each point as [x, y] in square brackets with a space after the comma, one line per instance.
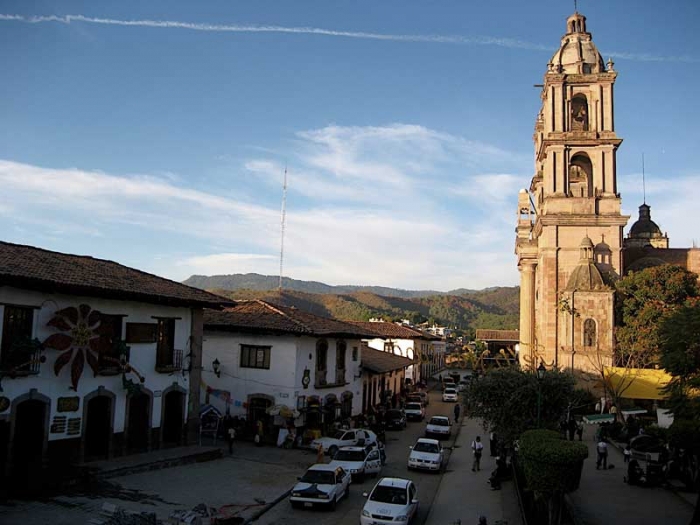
[637, 383]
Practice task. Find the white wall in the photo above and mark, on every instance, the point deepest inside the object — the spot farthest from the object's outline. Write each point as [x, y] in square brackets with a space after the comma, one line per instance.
[142, 356]
[402, 347]
[289, 356]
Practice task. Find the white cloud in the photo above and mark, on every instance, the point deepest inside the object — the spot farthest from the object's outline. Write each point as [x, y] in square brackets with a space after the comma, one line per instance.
[506, 42]
[366, 205]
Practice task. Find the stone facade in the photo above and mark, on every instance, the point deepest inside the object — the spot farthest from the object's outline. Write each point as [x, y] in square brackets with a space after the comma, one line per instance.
[573, 195]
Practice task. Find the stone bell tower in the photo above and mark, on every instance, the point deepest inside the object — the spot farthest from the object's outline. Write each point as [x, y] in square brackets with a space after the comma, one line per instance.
[572, 195]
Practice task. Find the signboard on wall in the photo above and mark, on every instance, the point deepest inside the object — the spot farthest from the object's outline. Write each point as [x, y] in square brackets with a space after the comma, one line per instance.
[67, 404]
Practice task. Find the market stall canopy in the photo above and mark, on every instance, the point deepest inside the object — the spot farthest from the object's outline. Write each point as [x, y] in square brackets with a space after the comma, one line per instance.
[637, 383]
[597, 419]
[283, 411]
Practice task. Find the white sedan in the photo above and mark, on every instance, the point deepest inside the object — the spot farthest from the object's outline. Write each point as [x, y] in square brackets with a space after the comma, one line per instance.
[358, 461]
[392, 500]
[450, 394]
[439, 426]
[355, 437]
[426, 454]
[321, 485]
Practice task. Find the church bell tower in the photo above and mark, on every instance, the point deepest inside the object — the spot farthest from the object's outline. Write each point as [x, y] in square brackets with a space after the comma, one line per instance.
[572, 197]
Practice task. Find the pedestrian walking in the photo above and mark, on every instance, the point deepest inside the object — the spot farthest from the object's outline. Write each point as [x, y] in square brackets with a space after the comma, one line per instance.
[457, 410]
[477, 448]
[230, 436]
[571, 428]
[602, 449]
[627, 453]
[579, 430]
[259, 433]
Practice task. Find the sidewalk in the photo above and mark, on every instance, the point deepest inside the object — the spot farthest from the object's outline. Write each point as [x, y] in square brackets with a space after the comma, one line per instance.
[465, 495]
[604, 498]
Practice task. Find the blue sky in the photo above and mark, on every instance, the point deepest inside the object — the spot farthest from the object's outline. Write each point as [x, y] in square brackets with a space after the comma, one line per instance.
[156, 133]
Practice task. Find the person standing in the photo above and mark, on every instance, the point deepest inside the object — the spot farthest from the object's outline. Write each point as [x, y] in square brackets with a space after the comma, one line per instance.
[579, 430]
[457, 411]
[319, 454]
[602, 450]
[259, 433]
[477, 448]
[493, 444]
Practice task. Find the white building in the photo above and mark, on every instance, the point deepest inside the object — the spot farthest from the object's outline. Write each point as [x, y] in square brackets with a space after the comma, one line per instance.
[275, 359]
[96, 360]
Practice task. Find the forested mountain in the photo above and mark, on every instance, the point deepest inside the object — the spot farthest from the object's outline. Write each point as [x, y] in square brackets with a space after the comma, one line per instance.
[494, 308]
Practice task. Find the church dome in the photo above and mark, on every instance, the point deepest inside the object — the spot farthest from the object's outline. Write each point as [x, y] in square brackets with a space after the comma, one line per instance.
[577, 53]
[585, 277]
[645, 228]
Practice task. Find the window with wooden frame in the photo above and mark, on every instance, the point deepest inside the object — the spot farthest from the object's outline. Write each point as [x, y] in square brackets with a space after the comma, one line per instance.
[165, 345]
[16, 335]
[111, 329]
[341, 348]
[254, 356]
[322, 355]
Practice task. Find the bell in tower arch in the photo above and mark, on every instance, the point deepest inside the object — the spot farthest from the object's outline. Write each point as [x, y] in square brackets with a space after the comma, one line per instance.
[579, 113]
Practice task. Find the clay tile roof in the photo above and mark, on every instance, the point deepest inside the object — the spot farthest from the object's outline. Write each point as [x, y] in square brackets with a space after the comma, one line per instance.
[262, 316]
[380, 362]
[38, 269]
[394, 331]
[498, 335]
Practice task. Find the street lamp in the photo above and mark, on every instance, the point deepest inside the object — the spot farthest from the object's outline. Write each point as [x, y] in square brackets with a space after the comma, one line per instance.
[541, 370]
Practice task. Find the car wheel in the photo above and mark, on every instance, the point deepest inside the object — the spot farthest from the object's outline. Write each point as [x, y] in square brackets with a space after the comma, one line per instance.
[332, 451]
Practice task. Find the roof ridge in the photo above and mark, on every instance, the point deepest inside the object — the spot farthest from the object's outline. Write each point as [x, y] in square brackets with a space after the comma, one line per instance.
[274, 308]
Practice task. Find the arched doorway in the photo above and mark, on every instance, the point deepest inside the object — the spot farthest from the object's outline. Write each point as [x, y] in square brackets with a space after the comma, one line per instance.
[257, 411]
[28, 445]
[173, 417]
[313, 412]
[98, 427]
[138, 422]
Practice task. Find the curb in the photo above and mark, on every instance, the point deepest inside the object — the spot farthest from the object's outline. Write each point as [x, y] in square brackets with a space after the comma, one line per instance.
[257, 515]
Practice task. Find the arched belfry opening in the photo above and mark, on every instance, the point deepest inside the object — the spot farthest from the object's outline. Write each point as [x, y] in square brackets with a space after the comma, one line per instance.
[579, 113]
[580, 176]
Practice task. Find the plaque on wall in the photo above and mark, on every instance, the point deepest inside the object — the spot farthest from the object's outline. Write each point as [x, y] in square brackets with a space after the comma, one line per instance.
[73, 426]
[58, 425]
[141, 332]
[67, 404]
[4, 403]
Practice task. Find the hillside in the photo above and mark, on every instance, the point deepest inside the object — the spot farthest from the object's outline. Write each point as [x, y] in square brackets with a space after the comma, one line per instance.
[494, 308]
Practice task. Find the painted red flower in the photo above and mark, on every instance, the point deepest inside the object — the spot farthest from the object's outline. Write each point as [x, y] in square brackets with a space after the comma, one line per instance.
[80, 339]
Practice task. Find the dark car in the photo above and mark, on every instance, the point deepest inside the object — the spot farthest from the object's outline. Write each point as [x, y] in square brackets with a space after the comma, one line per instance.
[395, 419]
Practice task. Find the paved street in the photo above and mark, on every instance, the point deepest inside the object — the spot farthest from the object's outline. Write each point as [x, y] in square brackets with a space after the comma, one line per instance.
[397, 449]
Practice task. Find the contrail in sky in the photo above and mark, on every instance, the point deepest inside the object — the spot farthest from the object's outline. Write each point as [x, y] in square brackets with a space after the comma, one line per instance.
[235, 28]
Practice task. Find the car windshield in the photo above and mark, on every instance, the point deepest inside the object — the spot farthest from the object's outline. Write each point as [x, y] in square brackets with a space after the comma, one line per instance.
[385, 494]
[338, 435]
[349, 455]
[413, 406]
[394, 414]
[450, 391]
[439, 421]
[323, 477]
[427, 447]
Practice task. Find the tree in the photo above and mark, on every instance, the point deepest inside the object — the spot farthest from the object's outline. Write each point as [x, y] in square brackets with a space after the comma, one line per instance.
[643, 298]
[679, 343]
[506, 399]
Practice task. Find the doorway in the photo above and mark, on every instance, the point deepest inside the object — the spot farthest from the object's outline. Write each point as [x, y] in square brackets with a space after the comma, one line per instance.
[138, 422]
[98, 428]
[28, 446]
[173, 418]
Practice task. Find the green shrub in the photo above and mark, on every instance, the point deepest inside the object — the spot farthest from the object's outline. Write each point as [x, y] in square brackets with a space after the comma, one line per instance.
[551, 464]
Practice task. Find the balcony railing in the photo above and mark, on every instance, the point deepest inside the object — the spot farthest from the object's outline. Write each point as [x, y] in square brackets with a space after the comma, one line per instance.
[111, 364]
[168, 362]
[321, 379]
[21, 363]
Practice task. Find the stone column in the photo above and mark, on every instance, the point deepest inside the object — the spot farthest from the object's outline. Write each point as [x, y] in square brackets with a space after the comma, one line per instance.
[527, 312]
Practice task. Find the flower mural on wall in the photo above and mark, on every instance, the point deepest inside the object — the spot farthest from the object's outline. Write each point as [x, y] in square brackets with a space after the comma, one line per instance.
[79, 339]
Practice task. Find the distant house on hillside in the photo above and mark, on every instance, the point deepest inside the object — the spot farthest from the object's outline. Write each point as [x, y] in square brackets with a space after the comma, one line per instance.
[96, 360]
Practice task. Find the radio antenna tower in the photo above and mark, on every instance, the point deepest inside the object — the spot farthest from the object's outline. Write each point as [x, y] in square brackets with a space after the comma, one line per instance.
[284, 218]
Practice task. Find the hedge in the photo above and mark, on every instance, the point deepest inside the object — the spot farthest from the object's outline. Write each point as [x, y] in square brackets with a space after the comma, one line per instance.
[550, 463]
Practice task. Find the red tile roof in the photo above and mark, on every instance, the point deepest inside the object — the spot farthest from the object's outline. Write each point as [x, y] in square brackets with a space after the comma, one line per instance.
[381, 362]
[498, 335]
[53, 272]
[262, 316]
[394, 331]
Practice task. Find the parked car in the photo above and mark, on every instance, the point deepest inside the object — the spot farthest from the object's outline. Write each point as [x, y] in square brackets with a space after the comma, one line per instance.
[395, 419]
[415, 398]
[358, 461]
[439, 426]
[414, 411]
[448, 382]
[462, 385]
[425, 397]
[426, 454]
[321, 485]
[450, 394]
[392, 500]
[344, 438]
